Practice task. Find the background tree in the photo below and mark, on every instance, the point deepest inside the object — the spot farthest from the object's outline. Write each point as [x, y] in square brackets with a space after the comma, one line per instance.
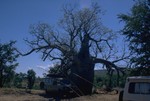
[55, 69]
[9, 77]
[137, 32]
[31, 78]
[8, 63]
[81, 42]
[19, 78]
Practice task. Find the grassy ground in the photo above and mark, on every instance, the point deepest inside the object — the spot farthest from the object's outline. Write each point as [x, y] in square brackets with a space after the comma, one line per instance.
[97, 97]
[11, 94]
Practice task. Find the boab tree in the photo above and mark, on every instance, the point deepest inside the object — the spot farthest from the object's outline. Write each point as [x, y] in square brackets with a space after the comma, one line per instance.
[80, 43]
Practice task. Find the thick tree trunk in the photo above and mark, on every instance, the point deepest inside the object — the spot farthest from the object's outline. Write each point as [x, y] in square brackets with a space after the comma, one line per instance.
[1, 84]
[83, 69]
[82, 76]
[1, 79]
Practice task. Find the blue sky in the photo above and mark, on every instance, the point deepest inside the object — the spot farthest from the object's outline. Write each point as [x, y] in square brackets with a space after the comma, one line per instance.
[17, 15]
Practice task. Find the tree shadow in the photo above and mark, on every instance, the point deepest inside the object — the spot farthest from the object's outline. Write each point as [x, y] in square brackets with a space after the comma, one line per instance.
[58, 96]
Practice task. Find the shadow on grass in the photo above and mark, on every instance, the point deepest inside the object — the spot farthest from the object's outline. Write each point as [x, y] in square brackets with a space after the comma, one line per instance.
[57, 96]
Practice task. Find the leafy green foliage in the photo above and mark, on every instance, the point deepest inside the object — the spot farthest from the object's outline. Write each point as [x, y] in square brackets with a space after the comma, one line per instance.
[8, 63]
[56, 69]
[31, 78]
[137, 31]
[59, 69]
[140, 71]
[104, 80]
[19, 78]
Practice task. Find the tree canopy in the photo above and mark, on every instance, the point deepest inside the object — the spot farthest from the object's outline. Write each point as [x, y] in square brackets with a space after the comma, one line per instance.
[137, 32]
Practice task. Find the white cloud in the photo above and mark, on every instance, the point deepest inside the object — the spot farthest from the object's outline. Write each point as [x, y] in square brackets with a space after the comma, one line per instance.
[29, 68]
[46, 68]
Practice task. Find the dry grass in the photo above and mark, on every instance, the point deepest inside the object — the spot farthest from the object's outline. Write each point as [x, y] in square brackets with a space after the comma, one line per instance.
[7, 94]
[97, 97]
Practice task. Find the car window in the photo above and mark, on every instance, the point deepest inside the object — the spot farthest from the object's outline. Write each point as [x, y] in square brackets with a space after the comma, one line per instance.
[139, 88]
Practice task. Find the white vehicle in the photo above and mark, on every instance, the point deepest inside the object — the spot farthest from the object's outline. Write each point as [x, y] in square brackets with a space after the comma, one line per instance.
[136, 89]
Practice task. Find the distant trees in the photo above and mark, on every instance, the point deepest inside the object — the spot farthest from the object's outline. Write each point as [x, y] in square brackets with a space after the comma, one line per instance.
[8, 57]
[137, 32]
[26, 80]
[31, 76]
[103, 79]
[19, 78]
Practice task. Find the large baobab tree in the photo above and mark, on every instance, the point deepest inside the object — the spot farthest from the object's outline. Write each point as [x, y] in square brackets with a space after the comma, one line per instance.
[80, 42]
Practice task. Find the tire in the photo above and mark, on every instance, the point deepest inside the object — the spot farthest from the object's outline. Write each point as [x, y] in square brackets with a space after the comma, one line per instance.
[46, 91]
[121, 96]
[42, 85]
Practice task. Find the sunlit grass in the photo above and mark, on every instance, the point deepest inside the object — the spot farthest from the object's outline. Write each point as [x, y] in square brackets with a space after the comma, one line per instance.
[14, 94]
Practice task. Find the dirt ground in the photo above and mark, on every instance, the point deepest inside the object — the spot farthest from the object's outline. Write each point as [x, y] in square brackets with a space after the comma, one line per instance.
[7, 94]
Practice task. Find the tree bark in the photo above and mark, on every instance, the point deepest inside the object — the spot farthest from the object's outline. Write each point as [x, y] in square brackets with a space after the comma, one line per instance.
[83, 69]
[83, 75]
[1, 79]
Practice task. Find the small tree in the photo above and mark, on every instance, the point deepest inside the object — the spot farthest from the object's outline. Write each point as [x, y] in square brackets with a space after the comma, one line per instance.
[31, 78]
[8, 58]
